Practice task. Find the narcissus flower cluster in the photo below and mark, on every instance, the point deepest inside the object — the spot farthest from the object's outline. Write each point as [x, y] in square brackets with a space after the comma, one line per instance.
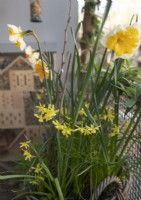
[45, 113]
[16, 36]
[87, 130]
[66, 129]
[25, 147]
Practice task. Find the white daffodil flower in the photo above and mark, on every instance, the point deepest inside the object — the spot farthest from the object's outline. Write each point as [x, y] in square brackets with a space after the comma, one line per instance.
[14, 33]
[16, 36]
[31, 55]
[21, 44]
[34, 58]
[29, 51]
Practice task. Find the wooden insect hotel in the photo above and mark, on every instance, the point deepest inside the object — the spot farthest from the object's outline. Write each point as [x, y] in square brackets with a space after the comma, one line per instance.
[17, 81]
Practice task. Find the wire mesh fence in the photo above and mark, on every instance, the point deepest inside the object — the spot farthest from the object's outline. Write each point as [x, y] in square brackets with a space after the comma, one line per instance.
[133, 155]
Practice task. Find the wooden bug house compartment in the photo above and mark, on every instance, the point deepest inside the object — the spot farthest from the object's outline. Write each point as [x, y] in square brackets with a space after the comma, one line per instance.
[17, 80]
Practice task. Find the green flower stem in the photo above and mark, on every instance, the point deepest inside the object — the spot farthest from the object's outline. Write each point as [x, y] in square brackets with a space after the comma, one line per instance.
[116, 121]
[108, 87]
[90, 65]
[76, 54]
[43, 164]
[47, 171]
[72, 84]
[100, 68]
[91, 170]
[54, 180]
[116, 109]
[29, 193]
[65, 82]
[32, 100]
[47, 88]
[5, 177]
[105, 87]
[105, 153]
[60, 160]
[50, 188]
[103, 82]
[64, 175]
[107, 98]
[118, 64]
[59, 155]
[61, 197]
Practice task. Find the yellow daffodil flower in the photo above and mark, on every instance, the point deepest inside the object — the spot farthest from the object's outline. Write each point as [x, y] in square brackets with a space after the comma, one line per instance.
[25, 144]
[50, 112]
[110, 115]
[37, 169]
[41, 108]
[95, 117]
[37, 180]
[115, 130]
[124, 41]
[82, 112]
[83, 130]
[27, 155]
[87, 105]
[92, 128]
[45, 113]
[38, 96]
[103, 117]
[38, 69]
[34, 182]
[40, 117]
[87, 130]
[64, 128]
[58, 125]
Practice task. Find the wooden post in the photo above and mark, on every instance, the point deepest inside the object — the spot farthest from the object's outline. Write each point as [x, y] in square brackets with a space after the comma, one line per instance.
[90, 28]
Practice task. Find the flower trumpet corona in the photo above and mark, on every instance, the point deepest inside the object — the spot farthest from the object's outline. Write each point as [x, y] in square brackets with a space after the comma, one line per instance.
[41, 71]
[20, 44]
[124, 41]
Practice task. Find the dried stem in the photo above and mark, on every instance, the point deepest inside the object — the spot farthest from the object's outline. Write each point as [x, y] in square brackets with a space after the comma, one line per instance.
[65, 38]
[66, 78]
